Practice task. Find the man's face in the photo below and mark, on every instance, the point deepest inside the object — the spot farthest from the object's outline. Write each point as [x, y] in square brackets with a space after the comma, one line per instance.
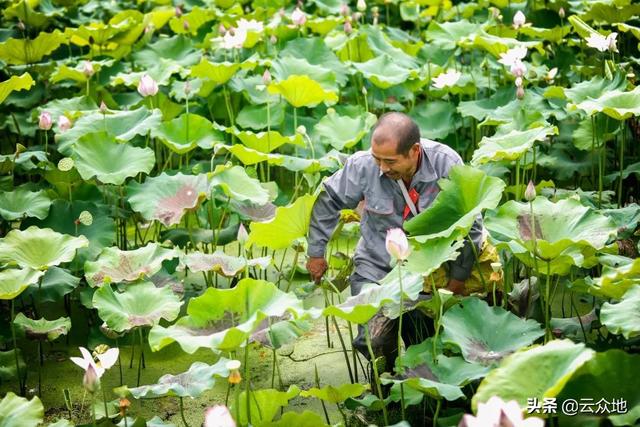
[393, 164]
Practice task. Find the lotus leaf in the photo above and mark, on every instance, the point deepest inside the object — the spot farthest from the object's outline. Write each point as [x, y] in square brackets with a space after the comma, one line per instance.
[302, 91]
[56, 283]
[274, 332]
[342, 131]
[384, 72]
[39, 248]
[463, 196]
[26, 51]
[123, 125]
[115, 266]
[222, 319]
[265, 404]
[219, 73]
[139, 305]
[234, 182]
[187, 132]
[178, 49]
[16, 411]
[605, 379]
[436, 119]
[447, 35]
[478, 339]
[316, 52]
[99, 155]
[298, 419]
[616, 104]
[510, 146]
[434, 389]
[219, 262]
[13, 281]
[166, 197]
[266, 142]
[333, 394]
[259, 117]
[21, 203]
[286, 66]
[482, 108]
[566, 233]
[427, 257]
[329, 162]
[615, 282]
[595, 88]
[554, 364]
[42, 329]
[15, 83]
[623, 317]
[192, 383]
[195, 19]
[496, 45]
[8, 364]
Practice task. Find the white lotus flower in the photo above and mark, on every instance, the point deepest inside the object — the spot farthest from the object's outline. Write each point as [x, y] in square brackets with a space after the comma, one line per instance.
[448, 78]
[64, 124]
[603, 43]
[234, 38]
[218, 416]
[496, 413]
[519, 19]
[250, 25]
[552, 74]
[509, 57]
[147, 86]
[298, 17]
[518, 68]
[105, 360]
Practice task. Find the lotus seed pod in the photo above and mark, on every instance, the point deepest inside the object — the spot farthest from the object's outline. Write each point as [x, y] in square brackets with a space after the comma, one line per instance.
[65, 164]
[85, 218]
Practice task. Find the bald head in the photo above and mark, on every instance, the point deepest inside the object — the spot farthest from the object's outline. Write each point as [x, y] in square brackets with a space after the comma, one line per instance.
[397, 128]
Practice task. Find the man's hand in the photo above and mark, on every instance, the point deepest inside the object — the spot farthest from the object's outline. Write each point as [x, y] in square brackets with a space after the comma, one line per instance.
[457, 287]
[317, 266]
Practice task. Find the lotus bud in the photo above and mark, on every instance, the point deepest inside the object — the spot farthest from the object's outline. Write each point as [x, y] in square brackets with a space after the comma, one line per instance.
[331, 110]
[302, 130]
[103, 107]
[21, 26]
[344, 10]
[348, 29]
[266, 77]
[218, 416]
[123, 405]
[222, 30]
[496, 266]
[364, 91]
[375, 12]
[518, 81]
[357, 16]
[273, 39]
[87, 69]
[91, 381]
[147, 86]
[20, 149]
[397, 244]
[64, 124]
[243, 236]
[65, 164]
[44, 121]
[519, 19]
[178, 11]
[85, 218]
[234, 371]
[520, 92]
[185, 25]
[561, 13]
[298, 17]
[552, 74]
[187, 87]
[361, 5]
[530, 192]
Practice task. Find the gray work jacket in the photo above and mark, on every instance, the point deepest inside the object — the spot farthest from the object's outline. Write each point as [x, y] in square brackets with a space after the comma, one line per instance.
[361, 179]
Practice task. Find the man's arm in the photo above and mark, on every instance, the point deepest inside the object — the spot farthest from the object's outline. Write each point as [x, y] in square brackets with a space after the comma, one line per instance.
[342, 190]
[460, 269]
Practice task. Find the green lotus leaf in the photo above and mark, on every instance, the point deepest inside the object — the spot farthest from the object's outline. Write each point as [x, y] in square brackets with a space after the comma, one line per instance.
[428, 256]
[623, 317]
[605, 377]
[15, 280]
[123, 125]
[166, 197]
[372, 297]
[223, 319]
[594, 88]
[275, 332]
[478, 340]
[615, 282]
[496, 45]
[266, 142]
[567, 233]
[299, 419]
[234, 182]
[380, 44]
[15, 83]
[264, 404]
[463, 196]
[219, 262]
[21, 203]
[195, 19]
[290, 223]
[27, 51]
[161, 72]
[187, 132]
[447, 35]
[99, 155]
[616, 104]
[342, 131]
[71, 107]
[434, 389]
[39, 248]
[8, 364]
[436, 119]
[510, 146]
[66, 423]
[192, 383]
[139, 305]
[56, 283]
[626, 28]
[115, 266]
[97, 33]
[316, 52]
[333, 394]
[302, 91]
[219, 73]
[258, 117]
[64, 72]
[553, 363]
[584, 138]
[178, 49]
[24, 11]
[611, 12]
[286, 66]
[330, 162]
[384, 72]
[481, 108]
[42, 329]
[62, 218]
[16, 411]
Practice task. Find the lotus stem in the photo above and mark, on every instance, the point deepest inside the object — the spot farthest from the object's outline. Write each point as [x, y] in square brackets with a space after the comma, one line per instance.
[184, 420]
[400, 338]
[437, 323]
[93, 410]
[46, 142]
[104, 399]
[344, 416]
[293, 269]
[324, 408]
[376, 377]
[15, 350]
[40, 362]
[141, 357]
[326, 319]
[518, 178]
[476, 256]
[344, 349]
[247, 382]
[227, 103]
[621, 160]
[547, 308]
[119, 361]
[435, 415]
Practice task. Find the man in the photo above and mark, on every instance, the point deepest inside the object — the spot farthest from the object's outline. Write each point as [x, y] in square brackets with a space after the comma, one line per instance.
[397, 177]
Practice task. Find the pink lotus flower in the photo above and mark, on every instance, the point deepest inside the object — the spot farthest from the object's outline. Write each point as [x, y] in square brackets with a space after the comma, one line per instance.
[87, 69]
[298, 17]
[105, 360]
[103, 107]
[518, 68]
[397, 244]
[496, 413]
[91, 380]
[243, 236]
[347, 27]
[266, 77]
[147, 86]
[218, 416]
[64, 124]
[519, 19]
[44, 121]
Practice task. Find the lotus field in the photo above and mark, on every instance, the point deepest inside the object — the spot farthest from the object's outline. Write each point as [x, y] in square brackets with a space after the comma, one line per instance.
[160, 161]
